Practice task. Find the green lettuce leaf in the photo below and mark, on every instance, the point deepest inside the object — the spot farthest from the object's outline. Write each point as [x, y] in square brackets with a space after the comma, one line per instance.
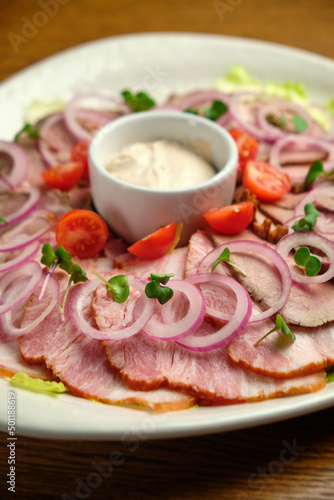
[21, 379]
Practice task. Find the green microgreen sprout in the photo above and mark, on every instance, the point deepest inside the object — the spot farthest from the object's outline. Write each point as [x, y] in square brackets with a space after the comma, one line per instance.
[316, 170]
[138, 102]
[225, 257]
[329, 374]
[308, 222]
[3, 220]
[32, 132]
[280, 325]
[157, 289]
[299, 123]
[60, 257]
[216, 110]
[304, 259]
[118, 286]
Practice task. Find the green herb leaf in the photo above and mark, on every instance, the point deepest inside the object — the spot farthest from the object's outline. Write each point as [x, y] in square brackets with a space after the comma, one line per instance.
[78, 275]
[279, 326]
[316, 169]
[49, 258]
[311, 263]
[161, 278]
[191, 111]
[330, 374]
[64, 260]
[299, 123]
[31, 131]
[154, 290]
[119, 286]
[308, 222]
[138, 102]
[225, 257]
[217, 109]
[3, 220]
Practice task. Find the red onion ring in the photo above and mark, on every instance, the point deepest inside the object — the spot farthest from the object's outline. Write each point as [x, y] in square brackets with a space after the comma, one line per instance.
[26, 239]
[235, 325]
[200, 97]
[32, 269]
[255, 247]
[28, 252]
[82, 298]
[277, 107]
[185, 326]
[27, 207]
[297, 140]
[44, 144]
[298, 239]
[71, 110]
[19, 169]
[6, 324]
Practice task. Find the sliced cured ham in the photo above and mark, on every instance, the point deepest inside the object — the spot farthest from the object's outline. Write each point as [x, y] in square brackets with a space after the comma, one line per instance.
[81, 363]
[212, 377]
[311, 352]
[199, 246]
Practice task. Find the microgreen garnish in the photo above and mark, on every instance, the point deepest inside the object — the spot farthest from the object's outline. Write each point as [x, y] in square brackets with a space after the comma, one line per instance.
[299, 123]
[117, 285]
[279, 326]
[138, 102]
[31, 132]
[156, 289]
[225, 257]
[277, 121]
[311, 263]
[308, 222]
[3, 220]
[60, 257]
[217, 109]
[330, 374]
[315, 170]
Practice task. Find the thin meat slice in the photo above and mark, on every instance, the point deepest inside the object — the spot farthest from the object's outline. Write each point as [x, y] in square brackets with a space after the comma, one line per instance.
[275, 356]
[212, 377]
[199, 246]
[305, 306]
[81, 363]
[173, 262]
[277, 214]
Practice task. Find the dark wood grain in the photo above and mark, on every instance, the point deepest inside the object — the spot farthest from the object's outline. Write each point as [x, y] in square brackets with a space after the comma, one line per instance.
[225, 466]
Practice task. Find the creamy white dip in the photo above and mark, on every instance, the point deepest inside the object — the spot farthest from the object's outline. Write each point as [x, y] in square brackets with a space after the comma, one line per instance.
[160, 164]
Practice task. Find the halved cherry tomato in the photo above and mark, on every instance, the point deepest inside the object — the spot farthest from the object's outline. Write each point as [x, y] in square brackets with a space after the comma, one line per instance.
[232, 219]
[83, 233]
[156, 244]
[247, 147]
[79, 152]
[265, 181]
[64, 176]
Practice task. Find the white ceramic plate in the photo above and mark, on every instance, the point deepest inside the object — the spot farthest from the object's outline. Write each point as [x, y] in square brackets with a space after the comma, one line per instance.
[159, 63]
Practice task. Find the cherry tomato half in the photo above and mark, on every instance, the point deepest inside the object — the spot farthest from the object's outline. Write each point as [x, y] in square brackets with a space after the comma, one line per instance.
[265, 181]
[247, 147]
[232, 219]
[79, 152]
[64, 176]
[83, 233]
[156, 244]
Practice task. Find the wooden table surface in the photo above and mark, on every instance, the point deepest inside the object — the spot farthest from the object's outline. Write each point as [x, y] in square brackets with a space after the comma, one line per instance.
[239, 465]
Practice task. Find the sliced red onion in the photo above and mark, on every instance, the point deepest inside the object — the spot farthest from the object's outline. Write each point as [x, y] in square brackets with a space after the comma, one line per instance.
[280, 107]
[316, 195]
[302, 141]
[19, 168]
[29, 206]
[9, 244]
[298, 239]
[250, 128]
[72, 107]
[44, 145]
[6, 324]
[235, 325]
[83, 296]
[30, 269]
[172, 329]
[200, 97]
[27, 253]
[257, 248]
